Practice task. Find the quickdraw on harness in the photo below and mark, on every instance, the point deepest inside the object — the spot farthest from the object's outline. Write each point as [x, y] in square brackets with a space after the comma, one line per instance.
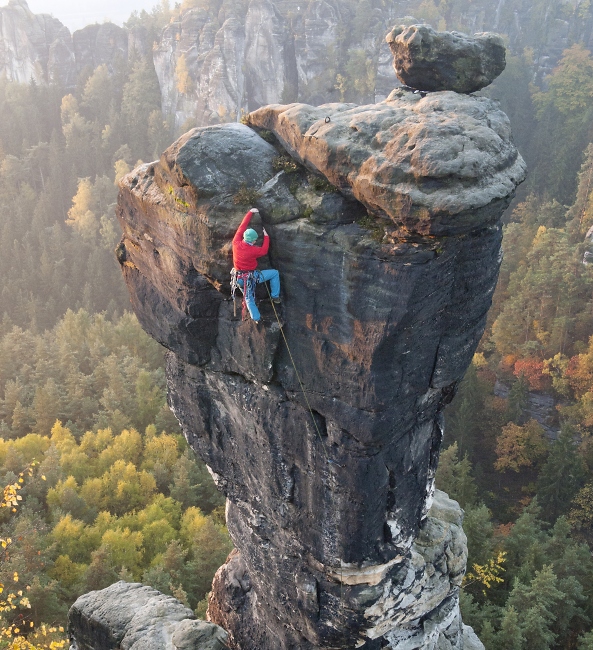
[249, 281]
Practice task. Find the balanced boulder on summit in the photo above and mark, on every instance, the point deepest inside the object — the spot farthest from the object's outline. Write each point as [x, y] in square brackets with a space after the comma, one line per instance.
[429, 60]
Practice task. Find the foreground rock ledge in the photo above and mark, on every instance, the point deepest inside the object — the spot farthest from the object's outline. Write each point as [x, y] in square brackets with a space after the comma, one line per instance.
[385, 227]
[131, 616]
[134, 617]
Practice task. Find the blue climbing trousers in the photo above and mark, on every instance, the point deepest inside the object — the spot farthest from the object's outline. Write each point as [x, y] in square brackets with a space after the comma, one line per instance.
[270, 275]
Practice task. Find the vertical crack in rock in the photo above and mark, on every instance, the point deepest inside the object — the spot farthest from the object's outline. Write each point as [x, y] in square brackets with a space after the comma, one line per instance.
[386, 230]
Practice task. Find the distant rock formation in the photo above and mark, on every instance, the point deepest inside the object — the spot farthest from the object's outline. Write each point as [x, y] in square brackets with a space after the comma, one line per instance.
[385, 223]
[131, 616]
[212, 68]
[283, 52]
[33, 46]
[96, 45]
[40, 48]
[248, 62]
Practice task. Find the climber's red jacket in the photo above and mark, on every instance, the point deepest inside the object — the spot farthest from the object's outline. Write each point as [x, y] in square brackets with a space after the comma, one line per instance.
[245, 255]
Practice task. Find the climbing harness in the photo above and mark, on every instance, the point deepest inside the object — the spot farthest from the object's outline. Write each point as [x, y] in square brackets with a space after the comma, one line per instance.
[249, 281]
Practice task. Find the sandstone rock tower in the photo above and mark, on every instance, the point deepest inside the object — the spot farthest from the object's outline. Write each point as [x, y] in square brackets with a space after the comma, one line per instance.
[385, 227]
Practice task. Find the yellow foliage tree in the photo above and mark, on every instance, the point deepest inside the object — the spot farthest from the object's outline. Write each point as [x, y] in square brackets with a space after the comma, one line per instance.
[127, 447]
[163, 449]
[121, 169]
[22, 635]
[124, 549]
[486, 575]
[520, 446]
[69, 535]
[67, 572]
[182, 76]
[81, 216]
[121, 489]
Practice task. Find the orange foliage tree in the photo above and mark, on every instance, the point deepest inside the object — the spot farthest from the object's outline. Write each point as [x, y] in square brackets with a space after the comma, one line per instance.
[533, 371]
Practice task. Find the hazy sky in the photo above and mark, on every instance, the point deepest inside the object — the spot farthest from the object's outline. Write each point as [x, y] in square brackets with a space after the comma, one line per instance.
[78, 13]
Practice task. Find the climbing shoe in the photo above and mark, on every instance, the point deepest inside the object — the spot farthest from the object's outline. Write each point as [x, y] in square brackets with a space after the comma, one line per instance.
[277, 301]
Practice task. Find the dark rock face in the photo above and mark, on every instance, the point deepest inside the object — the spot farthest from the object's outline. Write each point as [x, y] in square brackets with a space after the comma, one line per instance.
[429, 60]
[135, 617]
[382, 313]
[96, 45]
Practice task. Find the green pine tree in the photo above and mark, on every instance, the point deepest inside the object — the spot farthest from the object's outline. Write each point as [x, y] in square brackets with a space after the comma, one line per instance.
[510, 636]
[561, 477]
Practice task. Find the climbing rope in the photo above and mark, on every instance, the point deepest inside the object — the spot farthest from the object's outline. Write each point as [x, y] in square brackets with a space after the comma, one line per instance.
[312, 418]
[248, 289]
[299, 379]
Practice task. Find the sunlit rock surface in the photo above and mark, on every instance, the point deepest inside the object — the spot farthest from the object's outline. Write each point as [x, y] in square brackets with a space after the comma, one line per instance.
[33, 46]
[385, 224]
[39, 47]
[434, 165]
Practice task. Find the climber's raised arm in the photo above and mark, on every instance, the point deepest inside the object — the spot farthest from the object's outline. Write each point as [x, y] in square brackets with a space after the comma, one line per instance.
[244, 225]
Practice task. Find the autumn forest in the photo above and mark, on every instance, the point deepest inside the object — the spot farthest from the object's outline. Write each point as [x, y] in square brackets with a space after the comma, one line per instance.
[108, 488]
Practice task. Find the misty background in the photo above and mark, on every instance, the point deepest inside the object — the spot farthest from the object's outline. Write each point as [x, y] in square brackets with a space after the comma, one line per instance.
[76, 15]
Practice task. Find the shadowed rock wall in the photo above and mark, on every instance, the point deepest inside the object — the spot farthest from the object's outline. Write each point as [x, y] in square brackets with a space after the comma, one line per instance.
[386, 230]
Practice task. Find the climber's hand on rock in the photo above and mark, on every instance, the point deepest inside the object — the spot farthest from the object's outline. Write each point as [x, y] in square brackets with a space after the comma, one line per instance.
[265, 233]
[254, 210]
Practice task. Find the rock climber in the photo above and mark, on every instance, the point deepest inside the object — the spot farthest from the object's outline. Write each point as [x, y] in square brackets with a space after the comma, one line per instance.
[245, 273]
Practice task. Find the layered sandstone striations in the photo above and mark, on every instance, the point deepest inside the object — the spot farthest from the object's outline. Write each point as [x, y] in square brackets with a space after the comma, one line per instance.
[385, 227]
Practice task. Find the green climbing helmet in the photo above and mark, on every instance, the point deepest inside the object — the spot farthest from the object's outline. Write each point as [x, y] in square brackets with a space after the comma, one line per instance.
[250, 236]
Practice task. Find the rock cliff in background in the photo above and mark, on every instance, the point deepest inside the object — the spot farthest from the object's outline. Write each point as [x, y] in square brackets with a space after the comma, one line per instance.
[41, 48]
[250, 61]
[96, 45]
[385, 223]
[212, 66]
[285, 51]
[34, 47]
